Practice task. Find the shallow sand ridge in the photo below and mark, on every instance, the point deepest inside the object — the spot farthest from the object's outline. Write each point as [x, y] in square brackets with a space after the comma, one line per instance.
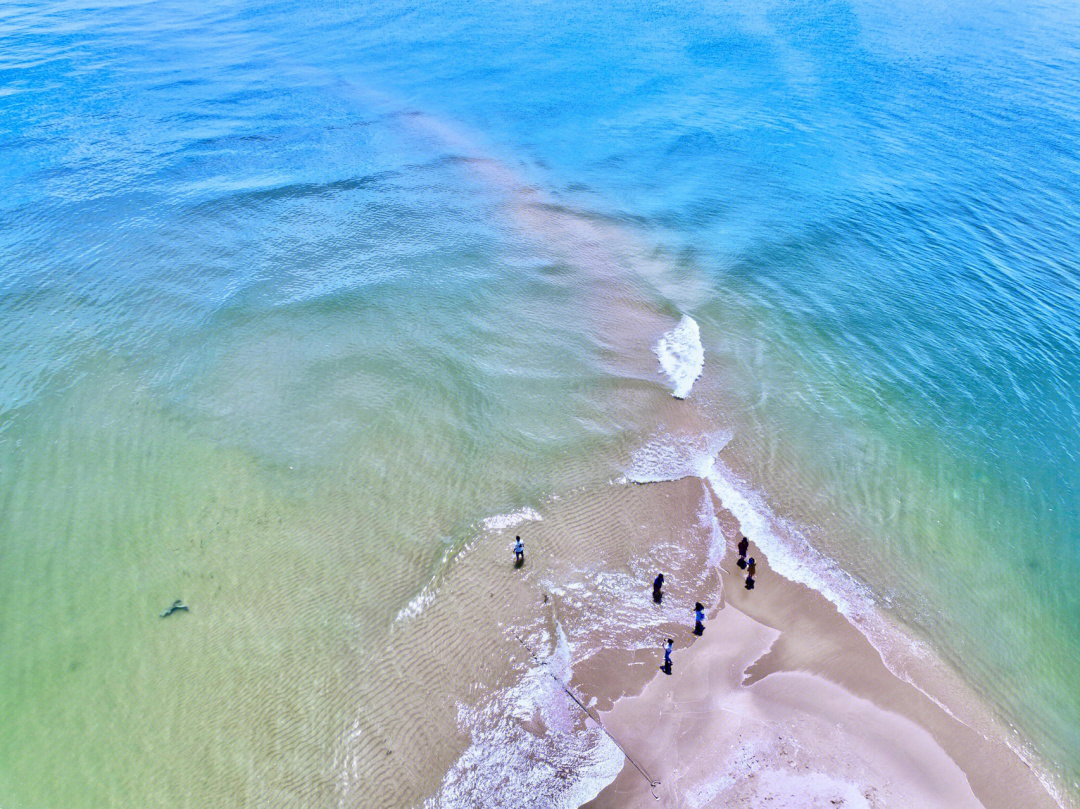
[783, 703]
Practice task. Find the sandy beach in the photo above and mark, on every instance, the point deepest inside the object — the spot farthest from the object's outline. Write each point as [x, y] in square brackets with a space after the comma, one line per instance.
[783, 703]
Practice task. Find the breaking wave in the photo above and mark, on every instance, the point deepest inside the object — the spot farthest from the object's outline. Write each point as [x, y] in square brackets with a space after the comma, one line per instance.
[681, 356]
[504, 522]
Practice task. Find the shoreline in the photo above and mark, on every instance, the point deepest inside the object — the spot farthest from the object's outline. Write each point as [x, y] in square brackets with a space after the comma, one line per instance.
[816, 641]
[784, 701]
[827, 645]
[783, 658]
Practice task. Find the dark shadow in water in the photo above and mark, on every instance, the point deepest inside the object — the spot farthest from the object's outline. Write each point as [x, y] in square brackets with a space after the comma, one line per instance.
[177, 606]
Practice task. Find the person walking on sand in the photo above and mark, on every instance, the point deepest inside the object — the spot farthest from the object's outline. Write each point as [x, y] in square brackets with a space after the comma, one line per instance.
[667, 655]
[699, 618]
[657, 585]
[751, 570]
[744, 546]
[519, 553]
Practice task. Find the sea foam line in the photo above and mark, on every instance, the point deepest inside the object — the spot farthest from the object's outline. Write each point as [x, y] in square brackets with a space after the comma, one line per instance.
[789, 551]
[504, 522]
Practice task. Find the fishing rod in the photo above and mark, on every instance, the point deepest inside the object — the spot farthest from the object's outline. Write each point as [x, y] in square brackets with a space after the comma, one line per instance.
[653, 783]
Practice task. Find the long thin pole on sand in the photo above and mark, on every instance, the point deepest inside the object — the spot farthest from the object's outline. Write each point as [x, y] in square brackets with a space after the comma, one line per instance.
[653, 784]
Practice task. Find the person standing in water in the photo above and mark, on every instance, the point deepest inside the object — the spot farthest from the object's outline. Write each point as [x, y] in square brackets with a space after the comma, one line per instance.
[657, 592]
[519, 553]
[667, 656]
[751, 570]
[699, 618]
[744, 546]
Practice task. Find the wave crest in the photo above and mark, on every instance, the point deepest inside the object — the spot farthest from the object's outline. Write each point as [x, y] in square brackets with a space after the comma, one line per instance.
[681, 356]
[667, 457]
[502, 522]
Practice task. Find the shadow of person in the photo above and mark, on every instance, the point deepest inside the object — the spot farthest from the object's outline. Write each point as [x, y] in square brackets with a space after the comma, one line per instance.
[666, 668]
[699, 628]
[519, 562]
[657, 596]
[749, 582]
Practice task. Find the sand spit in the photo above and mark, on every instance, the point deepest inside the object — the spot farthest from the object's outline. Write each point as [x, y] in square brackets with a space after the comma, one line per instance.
[783, 703]
[791, 739]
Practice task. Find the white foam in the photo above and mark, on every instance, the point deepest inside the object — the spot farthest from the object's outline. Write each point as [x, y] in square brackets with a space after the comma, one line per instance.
[621, 609]
[504, 522]
[681, 356]
[790, 553]
[710, 524]
[667, 457]
[530, 745]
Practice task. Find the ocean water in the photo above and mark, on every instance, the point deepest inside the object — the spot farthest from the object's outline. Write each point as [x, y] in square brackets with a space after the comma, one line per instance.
[300, 303]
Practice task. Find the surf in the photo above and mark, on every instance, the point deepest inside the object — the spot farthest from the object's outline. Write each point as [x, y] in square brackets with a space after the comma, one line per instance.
[681, 355]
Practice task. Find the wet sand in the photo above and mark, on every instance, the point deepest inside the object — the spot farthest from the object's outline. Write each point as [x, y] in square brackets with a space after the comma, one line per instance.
[783, 703]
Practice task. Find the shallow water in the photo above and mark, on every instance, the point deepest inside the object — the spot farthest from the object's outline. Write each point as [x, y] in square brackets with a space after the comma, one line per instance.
[294, 297]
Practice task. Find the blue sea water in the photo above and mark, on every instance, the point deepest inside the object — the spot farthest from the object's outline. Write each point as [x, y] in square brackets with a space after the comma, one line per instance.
[246, 259]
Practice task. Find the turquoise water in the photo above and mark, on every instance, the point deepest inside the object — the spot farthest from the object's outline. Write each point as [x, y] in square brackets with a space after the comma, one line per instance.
[276, 332]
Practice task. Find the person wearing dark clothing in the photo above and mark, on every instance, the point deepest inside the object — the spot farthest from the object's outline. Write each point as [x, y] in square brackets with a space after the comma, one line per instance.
[657, 592]
[751, 569]
[744, 545]
[699, 618]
